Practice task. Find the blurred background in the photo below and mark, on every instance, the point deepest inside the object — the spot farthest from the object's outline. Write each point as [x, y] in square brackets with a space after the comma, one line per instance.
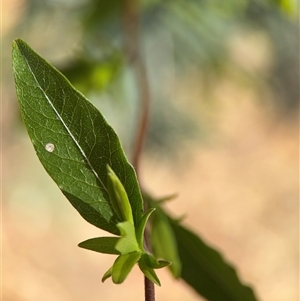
[224, 85]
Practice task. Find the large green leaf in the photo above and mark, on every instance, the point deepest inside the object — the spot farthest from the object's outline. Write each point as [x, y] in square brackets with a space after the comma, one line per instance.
[72, 139]
[206, 271]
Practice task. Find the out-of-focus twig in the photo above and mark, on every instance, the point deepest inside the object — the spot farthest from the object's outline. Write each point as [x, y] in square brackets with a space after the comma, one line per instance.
[132, 51]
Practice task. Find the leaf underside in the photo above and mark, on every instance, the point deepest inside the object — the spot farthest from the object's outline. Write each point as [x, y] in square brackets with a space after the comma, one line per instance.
[82, 142]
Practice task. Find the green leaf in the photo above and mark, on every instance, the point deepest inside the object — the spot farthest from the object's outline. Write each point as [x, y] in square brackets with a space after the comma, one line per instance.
[123, 265]
[164, 244]
[107, 274]
[154, 263]
[127, 243]
[118, 196]
[147, 269]
[72, 139]
[203, 267]
[88, 74]
[206, 271]
[104, 245]
[141, 228]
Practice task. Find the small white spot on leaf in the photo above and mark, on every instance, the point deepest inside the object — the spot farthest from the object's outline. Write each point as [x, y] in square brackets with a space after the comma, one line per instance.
[49, 147]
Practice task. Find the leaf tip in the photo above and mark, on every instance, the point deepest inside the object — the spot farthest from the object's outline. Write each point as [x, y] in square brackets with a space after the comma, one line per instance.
[107, 274]
[17, 43]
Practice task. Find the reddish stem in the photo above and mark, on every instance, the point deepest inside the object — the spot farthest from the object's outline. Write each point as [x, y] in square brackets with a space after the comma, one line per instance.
[132, 50]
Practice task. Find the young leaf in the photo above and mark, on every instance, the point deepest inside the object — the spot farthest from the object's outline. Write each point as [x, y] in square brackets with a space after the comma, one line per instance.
[123, 265]
[118, 196]
[141, 228]
[72, 139]
[127, 243]
[164, 243]
[152, 262]
[147, 269]
[206, 271]
[107, 274]
[106, 245]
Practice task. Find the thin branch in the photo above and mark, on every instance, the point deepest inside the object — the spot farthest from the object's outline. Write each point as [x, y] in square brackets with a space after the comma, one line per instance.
[132, 50]
[149, 290]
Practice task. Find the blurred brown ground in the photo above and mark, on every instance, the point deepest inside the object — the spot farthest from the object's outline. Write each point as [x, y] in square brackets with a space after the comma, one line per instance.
[239, 191]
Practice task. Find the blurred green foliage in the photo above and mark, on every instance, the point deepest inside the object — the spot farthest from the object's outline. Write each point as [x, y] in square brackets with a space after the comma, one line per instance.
[84, 39]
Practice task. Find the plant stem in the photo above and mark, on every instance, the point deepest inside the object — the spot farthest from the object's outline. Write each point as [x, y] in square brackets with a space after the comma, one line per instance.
[149, 290]
[132, 51]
